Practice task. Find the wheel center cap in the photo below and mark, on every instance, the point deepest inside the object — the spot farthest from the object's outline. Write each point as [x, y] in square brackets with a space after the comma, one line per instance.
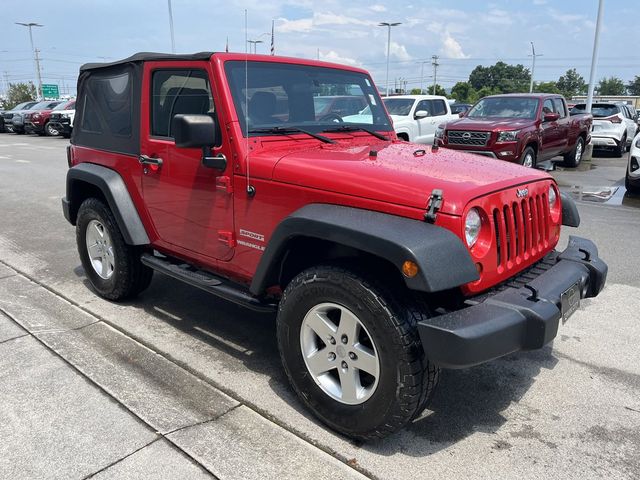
[341, 351]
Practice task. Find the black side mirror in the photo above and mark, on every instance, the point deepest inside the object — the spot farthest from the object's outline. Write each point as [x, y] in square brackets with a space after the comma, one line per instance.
[193, 131]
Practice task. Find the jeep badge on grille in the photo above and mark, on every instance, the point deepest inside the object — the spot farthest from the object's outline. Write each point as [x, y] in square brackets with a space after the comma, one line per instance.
[521, 193]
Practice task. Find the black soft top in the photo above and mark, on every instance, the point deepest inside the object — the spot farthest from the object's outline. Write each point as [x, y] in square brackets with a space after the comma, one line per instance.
[147, 57]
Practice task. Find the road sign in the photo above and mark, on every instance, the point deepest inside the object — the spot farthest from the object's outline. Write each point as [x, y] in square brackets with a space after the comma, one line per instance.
[50, 90]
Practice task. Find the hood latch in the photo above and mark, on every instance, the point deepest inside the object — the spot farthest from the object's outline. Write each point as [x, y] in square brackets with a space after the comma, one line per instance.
[435, 203]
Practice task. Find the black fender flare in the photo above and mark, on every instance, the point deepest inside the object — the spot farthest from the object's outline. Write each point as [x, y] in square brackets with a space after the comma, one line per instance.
[570, 215]
[115, 191]
[443, 261]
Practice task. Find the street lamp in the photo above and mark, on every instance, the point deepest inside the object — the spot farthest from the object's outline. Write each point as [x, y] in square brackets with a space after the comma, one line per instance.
[173, 42]
[388, 25]
[422, 74]
[35, 56]
[255, 44]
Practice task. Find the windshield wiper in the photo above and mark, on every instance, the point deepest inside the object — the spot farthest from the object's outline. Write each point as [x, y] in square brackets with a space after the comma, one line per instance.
[285, 130]
[352, 128]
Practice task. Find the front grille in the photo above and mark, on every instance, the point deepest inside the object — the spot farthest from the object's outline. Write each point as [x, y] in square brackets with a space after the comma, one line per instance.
[56, 116]
[478, 139]
[521, 230]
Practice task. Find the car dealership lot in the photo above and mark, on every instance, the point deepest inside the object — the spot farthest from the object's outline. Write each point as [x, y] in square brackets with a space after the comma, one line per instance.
[197, 383]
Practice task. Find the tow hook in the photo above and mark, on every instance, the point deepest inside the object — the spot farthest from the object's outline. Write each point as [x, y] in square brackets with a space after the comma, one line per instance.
[435, 203]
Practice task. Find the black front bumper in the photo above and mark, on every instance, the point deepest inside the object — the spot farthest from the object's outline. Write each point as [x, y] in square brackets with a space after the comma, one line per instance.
[514, 319]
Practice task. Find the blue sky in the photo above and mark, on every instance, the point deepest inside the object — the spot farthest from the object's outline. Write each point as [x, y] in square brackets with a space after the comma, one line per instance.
[464, 33]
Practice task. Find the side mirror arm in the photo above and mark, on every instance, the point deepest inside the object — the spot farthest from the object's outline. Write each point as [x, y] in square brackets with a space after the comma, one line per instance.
[217, 162]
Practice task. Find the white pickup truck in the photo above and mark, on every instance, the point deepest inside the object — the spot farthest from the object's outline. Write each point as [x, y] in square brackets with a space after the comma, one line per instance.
[416, 117]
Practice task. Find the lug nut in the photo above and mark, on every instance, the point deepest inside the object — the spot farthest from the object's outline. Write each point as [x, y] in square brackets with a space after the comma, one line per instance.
[332, 340]
[344, 365]
[344, 339]
[353, 356]
[332, 356]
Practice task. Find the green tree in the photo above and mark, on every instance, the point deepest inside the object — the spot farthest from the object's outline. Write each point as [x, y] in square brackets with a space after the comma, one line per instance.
[633, 88]
[439, 90]
[463, 92]
[611, 86]
[571, 84]
[486, 91]
[18, 93]
[501, 77]
[416, 91]
[546, 87]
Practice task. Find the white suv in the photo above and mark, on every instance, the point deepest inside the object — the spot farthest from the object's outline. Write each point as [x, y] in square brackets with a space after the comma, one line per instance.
[416, 117]
[632, 178]
[612, 127]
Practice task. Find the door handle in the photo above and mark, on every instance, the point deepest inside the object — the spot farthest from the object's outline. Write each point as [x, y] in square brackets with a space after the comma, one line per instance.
[145, 160]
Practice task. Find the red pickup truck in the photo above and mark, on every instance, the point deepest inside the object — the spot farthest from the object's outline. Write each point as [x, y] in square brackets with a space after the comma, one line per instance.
[382, 261]
[521, 128]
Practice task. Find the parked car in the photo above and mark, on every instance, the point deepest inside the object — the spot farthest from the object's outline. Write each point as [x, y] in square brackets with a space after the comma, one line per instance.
[337, 107]
[612, 127]
[460, 108]
[40, 121]
[632, 177]
[523, 128]
[62, 118]
[416, 117]
[7, 116]
[18, 118]
[379, 257]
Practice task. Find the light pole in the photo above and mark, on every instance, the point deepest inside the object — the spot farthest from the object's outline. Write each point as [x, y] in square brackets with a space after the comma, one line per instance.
[35, 56]
[533, 65]
[173, 41]
[422, 75]
[255, 44]
[388, 25]
[594, 58]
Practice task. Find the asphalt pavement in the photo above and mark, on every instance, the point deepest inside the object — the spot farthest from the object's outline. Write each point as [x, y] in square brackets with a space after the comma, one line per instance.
[178, 384]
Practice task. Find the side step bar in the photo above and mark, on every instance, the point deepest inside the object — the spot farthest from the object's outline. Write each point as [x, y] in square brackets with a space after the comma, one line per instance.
[208, 282]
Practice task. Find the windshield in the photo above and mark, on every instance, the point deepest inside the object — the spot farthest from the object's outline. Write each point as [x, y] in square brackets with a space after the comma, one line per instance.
[65, 105]
[505, 107]
[43, 105]
[303, 96]
[23, 105]
[399, 106]
[598, 110]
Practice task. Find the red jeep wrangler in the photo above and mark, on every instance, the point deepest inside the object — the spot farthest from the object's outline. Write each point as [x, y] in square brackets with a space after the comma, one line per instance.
[384, 261]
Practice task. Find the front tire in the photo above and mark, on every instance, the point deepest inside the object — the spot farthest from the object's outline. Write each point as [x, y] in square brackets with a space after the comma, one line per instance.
[113, 267]
[632, 189]
[352, 352]
[573, 158]
[50, 131]
[528, 158]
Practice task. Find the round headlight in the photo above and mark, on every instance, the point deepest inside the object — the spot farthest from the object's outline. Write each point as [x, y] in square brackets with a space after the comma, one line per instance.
[472, 225]
[553, 198]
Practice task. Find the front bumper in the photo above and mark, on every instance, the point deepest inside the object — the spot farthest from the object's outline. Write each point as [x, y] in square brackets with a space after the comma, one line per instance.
[515, 318]
[63, 126]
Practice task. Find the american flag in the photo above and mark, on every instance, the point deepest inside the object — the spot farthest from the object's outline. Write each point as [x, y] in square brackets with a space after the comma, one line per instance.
[273, 48]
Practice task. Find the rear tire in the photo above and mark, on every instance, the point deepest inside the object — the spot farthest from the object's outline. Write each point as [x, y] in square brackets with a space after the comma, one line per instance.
[573, 158]
[622, 147]
[388, 396]
[528, 158]
[113, 267]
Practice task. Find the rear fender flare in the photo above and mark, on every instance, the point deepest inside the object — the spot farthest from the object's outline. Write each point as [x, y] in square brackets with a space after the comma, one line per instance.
[443, 261]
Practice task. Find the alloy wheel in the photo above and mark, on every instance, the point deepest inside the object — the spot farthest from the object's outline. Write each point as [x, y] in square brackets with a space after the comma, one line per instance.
[100, 249]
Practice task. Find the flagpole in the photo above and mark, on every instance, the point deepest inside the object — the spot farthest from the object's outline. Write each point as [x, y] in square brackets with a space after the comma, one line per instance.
[273, 48]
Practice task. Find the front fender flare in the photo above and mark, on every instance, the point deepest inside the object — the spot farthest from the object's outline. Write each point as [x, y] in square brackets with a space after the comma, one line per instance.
[443, 261]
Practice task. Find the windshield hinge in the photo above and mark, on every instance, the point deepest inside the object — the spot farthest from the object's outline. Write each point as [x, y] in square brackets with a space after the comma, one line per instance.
[435, 202]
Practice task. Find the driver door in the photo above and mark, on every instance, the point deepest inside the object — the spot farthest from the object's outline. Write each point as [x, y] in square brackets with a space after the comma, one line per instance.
[188, 203]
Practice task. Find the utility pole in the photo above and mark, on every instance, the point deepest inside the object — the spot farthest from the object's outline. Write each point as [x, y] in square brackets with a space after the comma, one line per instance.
[434, 62]
[594, 58]
[173, 41]
[35, 56]
[38, 75]
[388, 25]
[318, 54]
[533, 65]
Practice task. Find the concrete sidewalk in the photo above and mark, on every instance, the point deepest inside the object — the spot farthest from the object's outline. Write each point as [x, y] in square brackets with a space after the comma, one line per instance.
[80, 399]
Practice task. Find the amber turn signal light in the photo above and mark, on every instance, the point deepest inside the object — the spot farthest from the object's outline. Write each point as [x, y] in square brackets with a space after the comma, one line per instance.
[409, 269]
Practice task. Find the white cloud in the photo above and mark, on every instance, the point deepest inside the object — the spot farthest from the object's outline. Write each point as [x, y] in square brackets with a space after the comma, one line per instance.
[399, 51]
[331, 18]
[378, 8]
[451, 47]
[539, 2]
[332, 56]
[498, 17]
[298, 26]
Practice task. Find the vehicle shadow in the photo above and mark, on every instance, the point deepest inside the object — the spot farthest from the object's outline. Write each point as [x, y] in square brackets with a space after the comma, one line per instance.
[465, 401]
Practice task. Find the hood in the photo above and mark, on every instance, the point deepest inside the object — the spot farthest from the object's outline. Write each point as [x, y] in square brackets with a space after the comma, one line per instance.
[490, 124]
[400, 119]
[395, 175]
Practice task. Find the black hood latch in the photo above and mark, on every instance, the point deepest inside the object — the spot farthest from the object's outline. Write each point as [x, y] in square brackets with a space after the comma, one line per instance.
[435, 203]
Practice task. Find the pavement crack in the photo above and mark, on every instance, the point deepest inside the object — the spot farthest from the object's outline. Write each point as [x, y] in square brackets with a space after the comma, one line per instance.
[212, 419]
[14, 338]
[115, 462]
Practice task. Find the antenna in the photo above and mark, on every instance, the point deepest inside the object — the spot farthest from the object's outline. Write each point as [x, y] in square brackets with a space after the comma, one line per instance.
[251, 191]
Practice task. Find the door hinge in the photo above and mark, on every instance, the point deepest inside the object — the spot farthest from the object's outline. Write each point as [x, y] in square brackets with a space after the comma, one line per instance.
[435, 203]
[224, 183]
[227, 238]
